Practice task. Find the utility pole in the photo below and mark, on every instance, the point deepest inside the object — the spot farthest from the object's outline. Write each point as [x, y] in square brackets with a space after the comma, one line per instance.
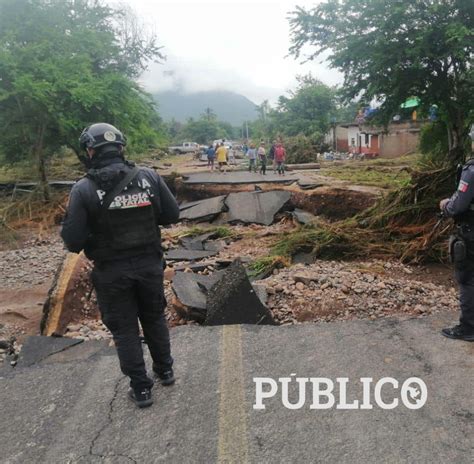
[247, 129]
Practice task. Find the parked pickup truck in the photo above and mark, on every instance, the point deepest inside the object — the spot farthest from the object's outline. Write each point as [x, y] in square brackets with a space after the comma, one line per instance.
[186, 147]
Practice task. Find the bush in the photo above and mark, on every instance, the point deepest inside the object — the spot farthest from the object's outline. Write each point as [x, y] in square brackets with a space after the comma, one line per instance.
[434, 143]
[301, 149]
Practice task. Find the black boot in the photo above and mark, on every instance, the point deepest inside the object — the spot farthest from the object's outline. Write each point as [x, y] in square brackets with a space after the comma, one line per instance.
[166, 377]
[141, 397]
[459, 332]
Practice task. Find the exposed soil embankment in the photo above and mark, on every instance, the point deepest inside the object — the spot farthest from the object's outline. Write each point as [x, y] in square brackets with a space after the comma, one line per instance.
[331, 202]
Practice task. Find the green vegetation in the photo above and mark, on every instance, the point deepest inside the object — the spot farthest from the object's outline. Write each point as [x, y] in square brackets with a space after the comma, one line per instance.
[402, 225]
[390, 51]
[61, 60]
[203, 130]
[266, 264]
[387, 178]
[306, 111]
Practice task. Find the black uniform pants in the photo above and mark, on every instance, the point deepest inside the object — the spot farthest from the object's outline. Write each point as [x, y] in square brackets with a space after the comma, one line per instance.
[465, 278]
[128, 291]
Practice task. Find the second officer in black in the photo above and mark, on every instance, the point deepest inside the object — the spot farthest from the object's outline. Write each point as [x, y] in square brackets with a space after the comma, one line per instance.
[114, 215]
[461, 207]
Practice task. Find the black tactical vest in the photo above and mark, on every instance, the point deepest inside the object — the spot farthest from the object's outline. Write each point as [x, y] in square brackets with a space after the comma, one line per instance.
[127, 226]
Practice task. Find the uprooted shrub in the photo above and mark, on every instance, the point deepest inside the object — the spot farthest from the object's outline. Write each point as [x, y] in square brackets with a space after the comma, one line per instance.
[403, 225]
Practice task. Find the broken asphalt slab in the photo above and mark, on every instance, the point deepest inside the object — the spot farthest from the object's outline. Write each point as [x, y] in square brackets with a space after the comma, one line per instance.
[78, 412]
[204, 210]
[191, 291]
[255, 207]
[238, 177]
[36, 349]
[202, 242]
[182, 254]
[233, 300]
[190, 288]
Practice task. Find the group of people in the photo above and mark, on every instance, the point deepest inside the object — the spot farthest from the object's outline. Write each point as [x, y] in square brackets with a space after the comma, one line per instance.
[276, 155]
[220, 153]
[257, 157]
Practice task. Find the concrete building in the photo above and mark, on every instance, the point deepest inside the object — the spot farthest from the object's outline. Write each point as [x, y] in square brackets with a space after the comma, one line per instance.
[398, 139]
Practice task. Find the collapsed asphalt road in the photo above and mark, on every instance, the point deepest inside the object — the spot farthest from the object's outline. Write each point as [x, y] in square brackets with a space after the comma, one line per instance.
[71, 406]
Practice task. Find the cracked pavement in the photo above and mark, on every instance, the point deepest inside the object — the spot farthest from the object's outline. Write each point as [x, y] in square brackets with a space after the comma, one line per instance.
[75, 410]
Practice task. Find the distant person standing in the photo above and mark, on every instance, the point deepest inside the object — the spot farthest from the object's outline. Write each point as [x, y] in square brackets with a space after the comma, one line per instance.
[279, 157]
[221, 155]
[252, 155]
[211, 156]
[271, 155]
[231, 156]
[262, 158]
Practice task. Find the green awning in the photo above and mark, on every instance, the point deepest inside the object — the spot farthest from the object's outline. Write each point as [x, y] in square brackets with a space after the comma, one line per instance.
[411, 103]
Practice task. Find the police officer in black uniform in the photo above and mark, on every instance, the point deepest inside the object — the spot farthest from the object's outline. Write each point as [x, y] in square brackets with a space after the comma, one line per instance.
[113, 215]
[461, 207]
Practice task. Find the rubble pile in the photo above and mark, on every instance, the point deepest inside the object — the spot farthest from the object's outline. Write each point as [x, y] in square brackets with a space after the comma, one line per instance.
[329, 290]
[88, 330]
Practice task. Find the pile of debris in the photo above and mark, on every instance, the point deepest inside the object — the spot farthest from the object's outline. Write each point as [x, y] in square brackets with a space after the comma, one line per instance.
[329, 290]
[258, 207]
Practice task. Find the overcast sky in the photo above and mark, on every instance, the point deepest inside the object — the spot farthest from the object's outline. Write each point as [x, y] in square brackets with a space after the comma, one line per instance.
[226, 45]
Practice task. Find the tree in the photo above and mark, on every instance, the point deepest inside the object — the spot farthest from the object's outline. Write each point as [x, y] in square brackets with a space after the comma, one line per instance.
[204, 130]
[307, 110]
[63, 65]
[209, 114]
[390, 50]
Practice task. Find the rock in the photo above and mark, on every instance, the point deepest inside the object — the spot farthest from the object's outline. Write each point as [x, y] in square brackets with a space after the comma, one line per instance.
[74, 327]
[270, 290]
[300, 285]
[261, 292]
[232, 300]
[279, 288]
[303, 279]
[303, 217]
[215, 245]
[169, 274]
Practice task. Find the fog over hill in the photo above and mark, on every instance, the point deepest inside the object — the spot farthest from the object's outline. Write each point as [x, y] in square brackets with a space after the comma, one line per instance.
[228, 106]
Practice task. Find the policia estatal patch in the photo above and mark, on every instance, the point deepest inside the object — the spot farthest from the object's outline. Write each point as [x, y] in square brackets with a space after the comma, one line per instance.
[131, 200]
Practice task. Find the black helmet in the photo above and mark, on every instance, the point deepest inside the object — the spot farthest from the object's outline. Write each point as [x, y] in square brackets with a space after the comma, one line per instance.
[100, 134]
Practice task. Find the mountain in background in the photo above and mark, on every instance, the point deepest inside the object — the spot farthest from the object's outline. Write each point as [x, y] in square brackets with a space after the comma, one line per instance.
[228, 106]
